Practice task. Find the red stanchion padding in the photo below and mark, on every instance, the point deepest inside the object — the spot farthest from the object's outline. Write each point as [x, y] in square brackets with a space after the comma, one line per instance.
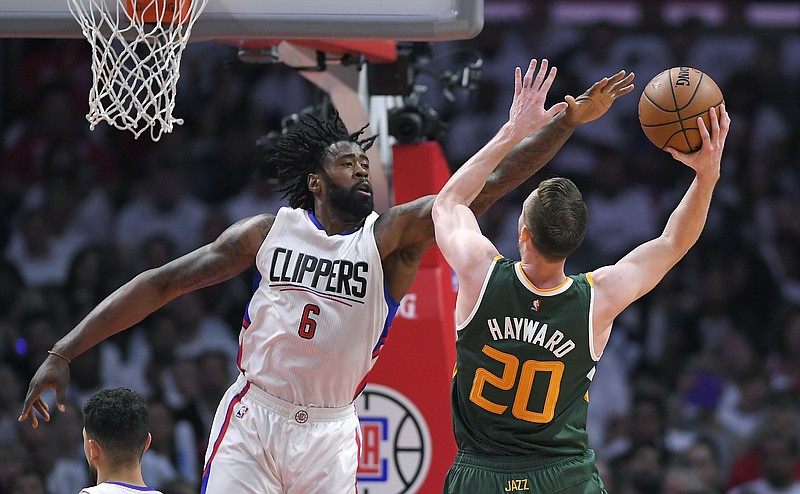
[407, 435]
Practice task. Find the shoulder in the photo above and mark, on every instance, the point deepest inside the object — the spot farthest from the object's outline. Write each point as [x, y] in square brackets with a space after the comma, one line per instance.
[503, 261]
[260, 224]
[244, 237]
[503, 272]
[584, 279]
[599, 276]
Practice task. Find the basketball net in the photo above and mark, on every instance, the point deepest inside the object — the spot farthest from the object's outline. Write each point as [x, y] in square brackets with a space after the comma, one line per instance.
[136, 55]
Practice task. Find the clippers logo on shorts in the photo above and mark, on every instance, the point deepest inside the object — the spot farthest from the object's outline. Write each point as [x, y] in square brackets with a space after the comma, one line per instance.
[241, 411]
[301, 417]
[395, 443]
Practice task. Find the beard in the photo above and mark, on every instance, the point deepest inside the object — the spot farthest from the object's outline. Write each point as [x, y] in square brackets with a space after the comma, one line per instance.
[349, 201]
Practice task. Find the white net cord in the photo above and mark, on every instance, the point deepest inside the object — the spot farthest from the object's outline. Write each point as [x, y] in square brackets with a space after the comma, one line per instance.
[136, 55]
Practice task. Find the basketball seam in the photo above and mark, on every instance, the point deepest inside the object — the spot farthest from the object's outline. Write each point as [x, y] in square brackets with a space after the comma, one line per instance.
[672, 122]
[697, 88]
[665, 110]
[678, 112]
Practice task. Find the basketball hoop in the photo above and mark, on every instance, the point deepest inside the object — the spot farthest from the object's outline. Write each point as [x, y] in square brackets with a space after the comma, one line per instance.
[136, 55]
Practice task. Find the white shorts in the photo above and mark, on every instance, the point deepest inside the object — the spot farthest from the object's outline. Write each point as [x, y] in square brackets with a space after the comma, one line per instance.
[260, 444]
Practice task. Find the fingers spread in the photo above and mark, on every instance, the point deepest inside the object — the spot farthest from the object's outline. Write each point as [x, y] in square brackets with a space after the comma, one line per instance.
[527, 81]
[43, 409]
[551, 76]
[712, 112]
[540, 75]
[701, 126]
[598, 86]
[623, 86]
[725, 123]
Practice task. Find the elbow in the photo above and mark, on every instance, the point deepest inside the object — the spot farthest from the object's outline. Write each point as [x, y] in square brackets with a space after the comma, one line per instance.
[436, 208]
[439, 208]
[442, 204]
[677, 246]
[157, 284]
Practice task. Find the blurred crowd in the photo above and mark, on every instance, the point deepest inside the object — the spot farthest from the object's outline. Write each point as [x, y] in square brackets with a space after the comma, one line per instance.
[697, 392]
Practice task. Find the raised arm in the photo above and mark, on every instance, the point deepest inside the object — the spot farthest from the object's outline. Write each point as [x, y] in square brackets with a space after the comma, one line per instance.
[537, 149]
[405, 231]
[230, 254]
[619, 285]
[458, 235]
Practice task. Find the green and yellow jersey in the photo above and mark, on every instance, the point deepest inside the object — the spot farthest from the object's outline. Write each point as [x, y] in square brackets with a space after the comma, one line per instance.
[525, 359]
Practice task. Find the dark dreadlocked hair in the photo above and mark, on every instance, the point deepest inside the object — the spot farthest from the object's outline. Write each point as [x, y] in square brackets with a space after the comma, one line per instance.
[301, 149]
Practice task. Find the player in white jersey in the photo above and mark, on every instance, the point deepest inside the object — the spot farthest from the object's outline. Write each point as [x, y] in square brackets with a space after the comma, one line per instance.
[115, 436]
[331, 275]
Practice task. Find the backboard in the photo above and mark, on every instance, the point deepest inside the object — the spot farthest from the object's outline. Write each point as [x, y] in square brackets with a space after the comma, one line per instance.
[411, 20]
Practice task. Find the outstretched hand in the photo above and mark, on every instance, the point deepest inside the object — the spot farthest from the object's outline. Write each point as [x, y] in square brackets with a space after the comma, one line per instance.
[596, 100]
[52, 374]
[706, 160]
[527, 113]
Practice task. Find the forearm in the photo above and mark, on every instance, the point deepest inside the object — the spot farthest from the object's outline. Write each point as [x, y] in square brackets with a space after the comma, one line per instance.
[127, 306]
[469, 179]
[687, 221]
[523, 161]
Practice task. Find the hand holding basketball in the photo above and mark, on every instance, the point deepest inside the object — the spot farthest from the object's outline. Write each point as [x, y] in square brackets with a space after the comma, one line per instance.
[706, 160]
[670, 104]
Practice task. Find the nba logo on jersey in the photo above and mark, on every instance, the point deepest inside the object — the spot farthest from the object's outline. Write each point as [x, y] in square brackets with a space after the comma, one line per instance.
[241, 411]
[395, 442]
[535, 305]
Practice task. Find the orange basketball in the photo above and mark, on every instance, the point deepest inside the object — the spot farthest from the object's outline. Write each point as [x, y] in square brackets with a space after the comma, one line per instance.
[159, 11]
[670, 104]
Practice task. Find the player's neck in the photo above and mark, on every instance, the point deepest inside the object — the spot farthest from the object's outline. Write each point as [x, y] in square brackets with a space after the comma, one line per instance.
[131, 476]
[334, 221]
[542, 273]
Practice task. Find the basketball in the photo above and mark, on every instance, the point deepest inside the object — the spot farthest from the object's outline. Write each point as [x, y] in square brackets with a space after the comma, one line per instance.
[670, 104]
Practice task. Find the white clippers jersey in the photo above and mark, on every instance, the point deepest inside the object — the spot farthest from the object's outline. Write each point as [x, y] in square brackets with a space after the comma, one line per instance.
[118, 488]
[319, 315]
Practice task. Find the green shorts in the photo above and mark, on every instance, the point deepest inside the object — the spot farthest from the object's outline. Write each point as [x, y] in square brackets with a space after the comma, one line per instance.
[472, 474]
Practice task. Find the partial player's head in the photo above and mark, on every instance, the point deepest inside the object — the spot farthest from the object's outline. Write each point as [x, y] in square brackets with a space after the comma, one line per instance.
[779, 455]
[305, 149]
[115, 428]
[555, 216]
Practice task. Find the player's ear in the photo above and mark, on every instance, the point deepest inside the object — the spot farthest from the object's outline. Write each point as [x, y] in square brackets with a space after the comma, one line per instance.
[314, 182]
[147, 443]
[524, 234]
[94, 451]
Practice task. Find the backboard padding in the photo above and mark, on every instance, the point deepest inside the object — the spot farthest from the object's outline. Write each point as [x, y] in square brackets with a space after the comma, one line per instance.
[411, 20]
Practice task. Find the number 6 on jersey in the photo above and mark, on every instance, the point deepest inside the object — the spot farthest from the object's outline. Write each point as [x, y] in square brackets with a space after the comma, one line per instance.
[308, 326]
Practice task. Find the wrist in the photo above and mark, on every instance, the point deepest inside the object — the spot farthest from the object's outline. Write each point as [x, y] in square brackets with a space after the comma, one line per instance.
[565, 122]
[509, 134]
[59, 355]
